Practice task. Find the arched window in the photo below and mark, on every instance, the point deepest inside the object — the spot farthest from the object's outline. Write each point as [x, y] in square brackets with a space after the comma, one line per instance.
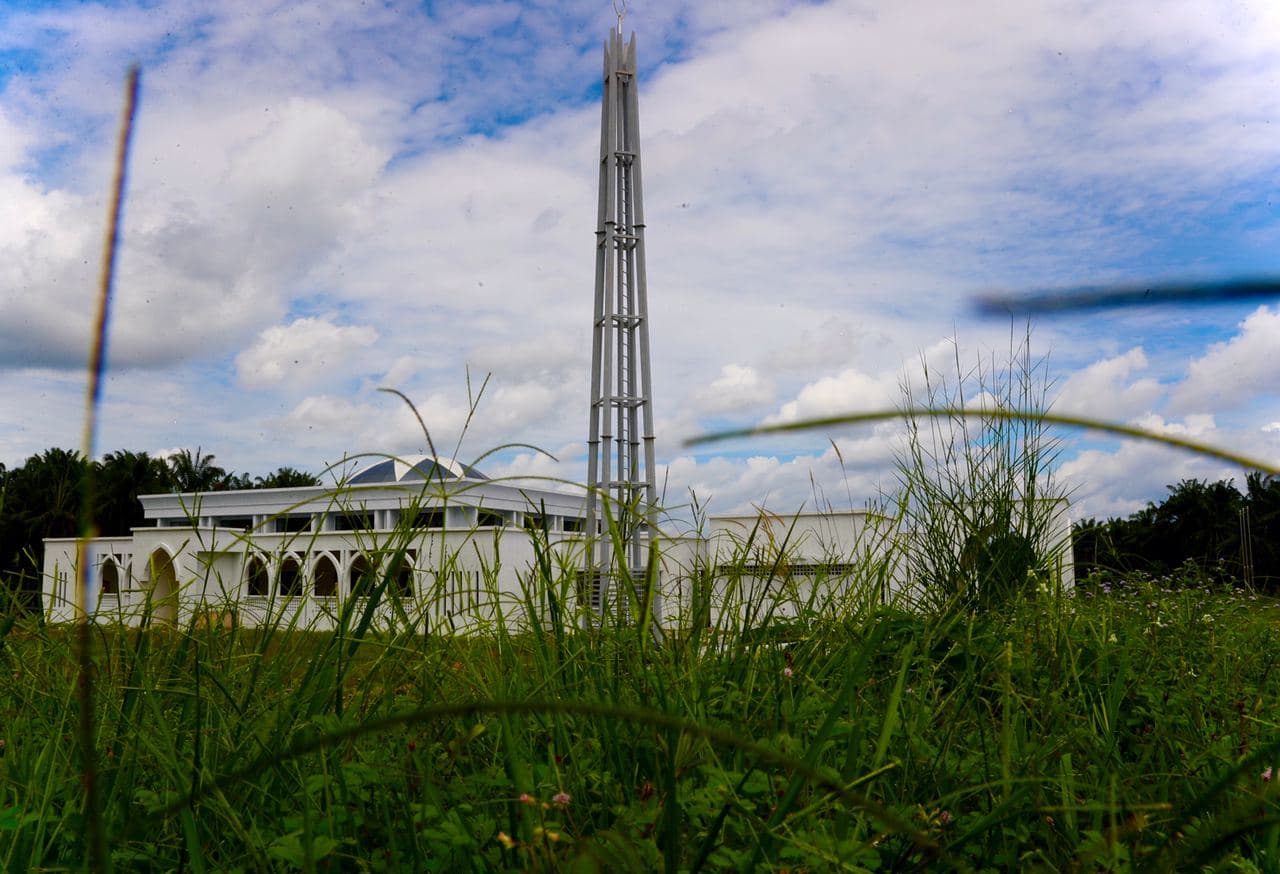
[164, 586]
[110, 577]
[401, 568]
[325, 577]
[257, 580]
[290, 577]
[360, 578]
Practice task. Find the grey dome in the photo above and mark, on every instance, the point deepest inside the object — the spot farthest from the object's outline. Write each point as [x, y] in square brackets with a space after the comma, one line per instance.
[414, 468]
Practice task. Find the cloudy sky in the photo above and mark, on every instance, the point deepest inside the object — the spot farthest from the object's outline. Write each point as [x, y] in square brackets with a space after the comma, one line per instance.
[327, 198]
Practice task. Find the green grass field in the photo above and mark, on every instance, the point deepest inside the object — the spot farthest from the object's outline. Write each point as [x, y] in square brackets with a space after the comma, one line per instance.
[1123, 730]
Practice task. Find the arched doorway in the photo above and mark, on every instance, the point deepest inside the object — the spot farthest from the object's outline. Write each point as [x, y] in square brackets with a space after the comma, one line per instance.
[360, 577]
[164, 586]
[400, 568]
[257, 578]
[110, 584]
[290, 577]
[325, 577]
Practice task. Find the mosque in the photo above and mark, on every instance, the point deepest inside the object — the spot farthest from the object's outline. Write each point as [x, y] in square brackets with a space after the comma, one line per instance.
[453, 550]
[302, 551]
[445, 548]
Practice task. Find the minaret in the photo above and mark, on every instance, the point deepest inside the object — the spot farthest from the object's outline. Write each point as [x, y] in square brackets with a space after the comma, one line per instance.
[620, 465]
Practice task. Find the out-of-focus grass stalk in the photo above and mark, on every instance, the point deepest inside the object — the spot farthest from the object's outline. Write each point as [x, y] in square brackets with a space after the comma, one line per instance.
[97, 858]
[978, 412]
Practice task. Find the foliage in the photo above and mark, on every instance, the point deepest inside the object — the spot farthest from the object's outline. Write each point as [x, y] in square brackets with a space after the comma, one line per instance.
[1200, 523]
[119, 478]
[194, 472]
[978, 492]
[286, 477]
[41, 499]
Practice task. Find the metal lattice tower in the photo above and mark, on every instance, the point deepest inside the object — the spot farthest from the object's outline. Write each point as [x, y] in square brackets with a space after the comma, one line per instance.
[620, 465]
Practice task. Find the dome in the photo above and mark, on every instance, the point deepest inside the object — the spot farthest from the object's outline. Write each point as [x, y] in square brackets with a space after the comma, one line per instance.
[414, 468]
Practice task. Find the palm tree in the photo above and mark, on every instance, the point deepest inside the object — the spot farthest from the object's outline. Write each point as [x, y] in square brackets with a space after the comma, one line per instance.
[286, 477]
[43, 498]
[119, 478]
[194, 473]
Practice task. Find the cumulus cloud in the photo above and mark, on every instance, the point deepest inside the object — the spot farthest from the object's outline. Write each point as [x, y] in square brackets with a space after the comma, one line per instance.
[560, 470]
[219, 228]
[1105, 483]
[848, 391]
[553, 353]
[303, 352]
[1111, 388]
[809, 481]
[738, 387]
[344, 426]
[1194, 425]
[15, 141]
[1232, 373]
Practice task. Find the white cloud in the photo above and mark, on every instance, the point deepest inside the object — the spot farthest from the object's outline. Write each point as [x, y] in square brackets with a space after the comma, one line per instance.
[321, 422]
[560, 470]
[1111, 388]
[738, 387]
[846, 392]
[227, 212]
[558, 353]
[301, 353]
[15, 142]
[514, 407]
[1115, 483]
[1196, 425]
[1232, 373]
[780, 484]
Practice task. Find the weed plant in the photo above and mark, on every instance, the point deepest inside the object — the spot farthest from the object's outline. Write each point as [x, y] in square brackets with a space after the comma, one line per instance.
[977, 492]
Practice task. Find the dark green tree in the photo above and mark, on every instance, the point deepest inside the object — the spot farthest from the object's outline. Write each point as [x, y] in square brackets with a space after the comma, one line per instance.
[1263, 503]
[118, 480]
[1198, 523]
[43, 498]
[286, 477]
[194, 472]
[234, 482]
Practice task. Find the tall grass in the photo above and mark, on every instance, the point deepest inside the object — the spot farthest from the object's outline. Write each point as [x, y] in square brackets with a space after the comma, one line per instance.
[982, 513]
[1113, 732]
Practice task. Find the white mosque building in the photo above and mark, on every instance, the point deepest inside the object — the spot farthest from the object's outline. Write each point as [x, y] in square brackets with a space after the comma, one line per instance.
[449, 543]
[451, 549]
[454, 551]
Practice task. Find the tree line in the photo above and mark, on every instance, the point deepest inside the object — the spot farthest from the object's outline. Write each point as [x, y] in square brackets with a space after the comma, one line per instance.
[45, 498]
[1227, 535]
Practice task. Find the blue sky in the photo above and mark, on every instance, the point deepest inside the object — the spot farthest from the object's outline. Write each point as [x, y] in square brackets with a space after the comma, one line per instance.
[331, 197]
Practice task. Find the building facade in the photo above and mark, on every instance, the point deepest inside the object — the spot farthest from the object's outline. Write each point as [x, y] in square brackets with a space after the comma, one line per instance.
[451, 551]
[450, 545]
